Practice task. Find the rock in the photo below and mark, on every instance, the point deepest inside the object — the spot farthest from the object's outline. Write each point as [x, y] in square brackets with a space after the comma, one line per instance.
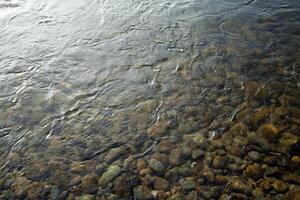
[176, 157]
[35, 190]
[20, 186]
[113, 154]
[85, 197]
[165, 146]
[239, 129]
[258, 193]
[269, 132]
[141, 164]
[296, 160]
[254, 155]
[156, 166]
[200, 141]
[176, 196]
[197, 153]
[188, 184]
[146, 171]
[239, 185]
[142, 193]
[89, 183]
[259, 116]
[161, 184]
[159, 129]
[162, 158]
[174, 174]
[123, 184]
[75, 181]
[112, 172]
[254, 171]
[54, 193]
[219, 162]
[286, 142]
[280, 186]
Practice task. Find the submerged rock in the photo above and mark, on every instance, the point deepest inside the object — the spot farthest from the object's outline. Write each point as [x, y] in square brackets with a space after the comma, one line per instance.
[156, 166]
[269, 132]
[112, 172]
[142, 193]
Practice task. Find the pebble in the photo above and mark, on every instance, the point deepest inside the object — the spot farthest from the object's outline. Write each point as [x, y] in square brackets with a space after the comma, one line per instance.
[142, 193]
[161, 184]
[156, 166]
[188, 184]
[254, 171]
[112, 172]
[176, 157]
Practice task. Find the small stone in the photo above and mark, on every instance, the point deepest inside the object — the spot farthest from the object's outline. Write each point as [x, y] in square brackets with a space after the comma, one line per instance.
[146, 171]
[280, 186]
[141, 164]
[85, 197]
[54, 193]
[296, 159]
[75, 181]
[159, 129]
[240, 186]
[156, 166]
[165, 146]
[35, 190]
[254, 171]
[269, 132]
[142, 193]
[113, 154]
[258, 193]
[200, 141]
[176, 157]
[112, 172]
[254, 155]
[286, 142]
[188, 184]
[197, 153]
[219, 162]
[161, 184]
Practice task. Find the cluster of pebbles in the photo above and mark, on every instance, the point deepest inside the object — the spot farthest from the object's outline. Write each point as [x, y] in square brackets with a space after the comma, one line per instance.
[235, 141]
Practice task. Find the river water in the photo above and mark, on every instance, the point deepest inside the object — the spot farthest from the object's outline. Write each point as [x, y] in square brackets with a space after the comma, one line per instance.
[92, 85]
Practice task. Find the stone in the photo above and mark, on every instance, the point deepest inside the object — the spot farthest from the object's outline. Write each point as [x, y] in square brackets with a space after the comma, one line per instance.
[156, 166]
[286, 142]
[85, 197]
[254, 155]
[176, 157]
[280, 186]
[219, 162]
[254, 171]
[161, 184]
[20, 186]
[296, 160]
[142, 193]
[89, 183]
[75, 181]
[200, 141]
[141, 164]
[113, 154]
[188, 184]
[269, 132]
[165, 146]
[35, 190]
[112, 172]
[158, 129]
[197, 153]
[145, 171]
[54, 193]
[258, 193]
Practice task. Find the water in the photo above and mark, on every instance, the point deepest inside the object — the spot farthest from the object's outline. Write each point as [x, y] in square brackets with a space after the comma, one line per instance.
[78, 78]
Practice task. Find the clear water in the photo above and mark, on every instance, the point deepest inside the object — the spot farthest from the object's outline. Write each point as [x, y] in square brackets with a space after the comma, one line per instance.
[78, 78]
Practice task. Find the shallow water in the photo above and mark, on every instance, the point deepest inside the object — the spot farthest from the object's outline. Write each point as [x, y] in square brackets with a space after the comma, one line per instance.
[78, 78]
